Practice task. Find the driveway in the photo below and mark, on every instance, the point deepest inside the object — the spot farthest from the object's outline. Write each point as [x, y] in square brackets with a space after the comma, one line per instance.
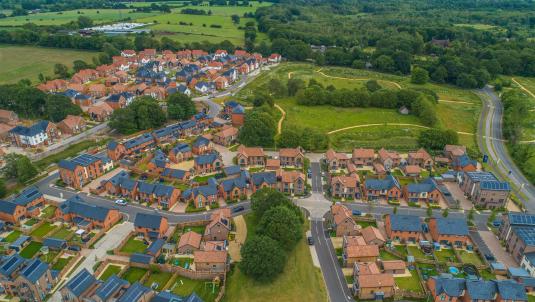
[458, 194]
[496, 248]
[110, 241]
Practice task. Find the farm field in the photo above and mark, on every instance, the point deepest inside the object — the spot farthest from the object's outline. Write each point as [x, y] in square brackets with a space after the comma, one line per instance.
[26, 62]
[457, 109]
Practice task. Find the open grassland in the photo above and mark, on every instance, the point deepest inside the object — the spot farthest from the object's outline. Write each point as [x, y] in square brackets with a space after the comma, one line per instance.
[457, 109]
[59, 18]
[26, 62]
[300, 280]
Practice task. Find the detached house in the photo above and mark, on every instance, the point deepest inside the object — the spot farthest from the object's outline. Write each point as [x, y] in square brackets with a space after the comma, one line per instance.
[292, 182]
[219, 226]
[403, 228]
[100, 112]
[343, 221]
[464, 163]
[150, 225]
[28, 280]
[250, 156]
[363, 157]
[26, 204]
[211, 261]
[227, 136]
[420, 158]
[484, 189]
[347, 187]
[40, 133]
[388, 188]
[202, 196]
[207, 163]
[72, 125]
[181, 152]
[335, 160]
[261, 180]
[425, 191]
[234, 188]
[389, 159]
[293, 157]
[189, 242]
[449, 231]
[202, 145]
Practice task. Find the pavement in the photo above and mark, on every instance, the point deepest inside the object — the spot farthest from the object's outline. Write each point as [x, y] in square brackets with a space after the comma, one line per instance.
[110, 241]
[490, 138]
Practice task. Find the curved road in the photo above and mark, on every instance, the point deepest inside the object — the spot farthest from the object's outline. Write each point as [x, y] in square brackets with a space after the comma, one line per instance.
[491, 142]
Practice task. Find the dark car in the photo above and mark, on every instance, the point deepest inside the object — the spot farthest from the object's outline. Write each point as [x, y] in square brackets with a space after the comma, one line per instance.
[357, 213]
[310, 241]
[74, 248]
[489, 257]
[238, 209]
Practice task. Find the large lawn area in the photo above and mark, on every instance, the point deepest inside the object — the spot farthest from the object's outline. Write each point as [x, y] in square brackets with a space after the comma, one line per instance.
[69, 152]
[31, 249]
[300, 281]
[470, 257]
[42, 230]
[158, 277]
[134, 245]
[26, 62]
[109, 271]
[410, 283]
[133, 274]
[11, 237]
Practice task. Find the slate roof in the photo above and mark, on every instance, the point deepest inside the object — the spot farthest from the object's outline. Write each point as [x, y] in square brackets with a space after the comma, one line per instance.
[33, 130]
[132, 143]
[112, 145]
[453, 287]
[238, 109]
[261, 177]
[7, 207]
[232, 170]
[55, 243]
[181, 148]
[517, 272]
[206, 190]
[155, 247]
[150, 221]
[133, 293]
[10, 264]
[159, 159]
[409, 223]
[81, 282]
[173, 129]
[83, 160]
[27, 196]
[495, 185]
[201, 141]
[110, 287]
[123, 180]
[452, 226]
[174, 173]
[206, 159]
[510, 290]
[481, 290]
[427, 185]
[463, 161]
[34, 270]
[76, 205]
[229, 184]
[530, 257]
[382, 184]
[517, 218]
[140, 258]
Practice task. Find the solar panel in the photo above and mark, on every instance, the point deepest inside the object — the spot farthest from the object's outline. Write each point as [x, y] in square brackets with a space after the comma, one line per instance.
[32, 267]
[9, 263]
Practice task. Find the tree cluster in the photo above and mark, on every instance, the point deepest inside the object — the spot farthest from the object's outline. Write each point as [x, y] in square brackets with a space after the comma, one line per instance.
[18, 167]
[142, 114]
[436, 139]
[280, 227]
[180, 107]
[259, 128]
[308, 138]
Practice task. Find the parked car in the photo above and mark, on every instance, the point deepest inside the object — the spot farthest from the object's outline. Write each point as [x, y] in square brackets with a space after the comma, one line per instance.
[310, 240]
[74, 248]
[357, 213]
[121, 202]
[238, 209]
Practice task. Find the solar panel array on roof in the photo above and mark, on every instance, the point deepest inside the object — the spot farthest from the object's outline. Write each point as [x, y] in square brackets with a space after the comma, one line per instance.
[521, 219]
[526, 234]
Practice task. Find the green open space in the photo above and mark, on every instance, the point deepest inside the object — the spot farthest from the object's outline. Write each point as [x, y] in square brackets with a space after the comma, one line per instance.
[63, 233]
[158, 277]
[43, 229]
[402, 138]
[30, 222]
[134, 245]
[109, 271]
[203, 288]
[61, 263]
[445, 255]
[300, 280]
[11, 237]
[31, 249]
[133, 274]
[197, 229]
[410, 283]
[48, 212]
[470, 257]
[69, 152]
[26, 62]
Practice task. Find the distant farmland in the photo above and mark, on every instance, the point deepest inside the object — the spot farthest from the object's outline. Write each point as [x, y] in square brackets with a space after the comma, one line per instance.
[20, 62]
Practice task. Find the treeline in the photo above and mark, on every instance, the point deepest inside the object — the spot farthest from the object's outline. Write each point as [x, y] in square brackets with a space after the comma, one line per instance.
[193, 11]
[516, 118]
[58, 5]
[419, 103]
[30, 102]
[154, 7]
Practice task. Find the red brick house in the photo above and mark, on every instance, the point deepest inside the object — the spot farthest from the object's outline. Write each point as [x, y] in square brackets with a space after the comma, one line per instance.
[403, 228]
[291, 157]
[389, 159]
[226, 136]
[80, 170]
[202, 145]
[150, 225]
[420, 158]
[207, 163]
[449, 231]
[86, 216]
[97, 90]
[100, 112]
[181, 152]
[211, 261]
[250, 156]
[363, 157]
[343, 221]
[292, 182]
[347, 187]
[336, 160]
[72, 124]
[219, 226]
[382, 189]
[189, 242]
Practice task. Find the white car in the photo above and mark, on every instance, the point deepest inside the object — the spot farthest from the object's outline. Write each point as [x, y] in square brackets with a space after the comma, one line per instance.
[121, 202]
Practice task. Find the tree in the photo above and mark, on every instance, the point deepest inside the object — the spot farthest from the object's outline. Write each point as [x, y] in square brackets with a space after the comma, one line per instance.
[277, 88]
[267, 198]
[385, 63]
[78, 65]
[395, 210]
[440, 74]
[180, 106]
[258, 129]
[143, 113]
[282, 225]
[84, 22]
[445, 213]
[294, 85]
[429, 212]
[3, 188]
[235, 19]
[372, 85]
[261, 98]
[436, 139]
[61, 70]
[59, 106]
[18, 167]
[419, 75]
[471, 214]
[262, 258]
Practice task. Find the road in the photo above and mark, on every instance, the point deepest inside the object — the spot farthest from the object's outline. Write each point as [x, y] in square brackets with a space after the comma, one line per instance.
[490, 138]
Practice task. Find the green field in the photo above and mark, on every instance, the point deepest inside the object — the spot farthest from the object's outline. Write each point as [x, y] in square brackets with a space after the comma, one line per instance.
[26, 62]
[457, 109]
[300, 280]
[109, 271]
